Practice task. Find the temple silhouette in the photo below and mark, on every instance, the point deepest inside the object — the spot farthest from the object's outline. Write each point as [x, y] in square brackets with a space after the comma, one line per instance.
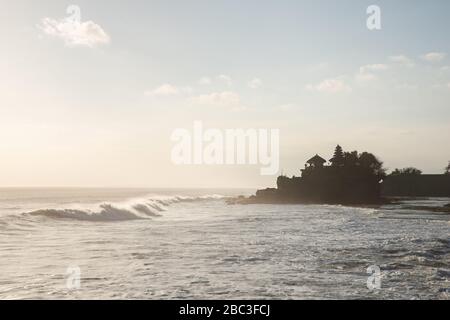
[351, 178]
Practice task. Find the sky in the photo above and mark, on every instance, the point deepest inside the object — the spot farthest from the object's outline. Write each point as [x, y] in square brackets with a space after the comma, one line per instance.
[95, 105]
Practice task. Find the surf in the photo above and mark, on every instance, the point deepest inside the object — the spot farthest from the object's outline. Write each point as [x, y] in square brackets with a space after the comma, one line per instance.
[133, 209]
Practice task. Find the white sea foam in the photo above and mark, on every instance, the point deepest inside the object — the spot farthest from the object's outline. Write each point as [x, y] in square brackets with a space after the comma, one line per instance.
[133, 209]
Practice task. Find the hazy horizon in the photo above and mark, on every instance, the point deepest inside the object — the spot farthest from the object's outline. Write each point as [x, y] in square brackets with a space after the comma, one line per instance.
[96, 107]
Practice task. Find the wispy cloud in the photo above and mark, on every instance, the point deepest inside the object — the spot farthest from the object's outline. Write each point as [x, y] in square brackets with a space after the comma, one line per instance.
[168, 90]
[223, 99]
[373, 67]
[434, 56]
[255, 83]
[330, 86]
[402, 60]
[226, 79]
[367, 72]
[75, 33]
[205, 81]
[365, 77]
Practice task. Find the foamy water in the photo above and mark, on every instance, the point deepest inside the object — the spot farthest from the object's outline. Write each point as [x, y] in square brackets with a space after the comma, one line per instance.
[186, 244]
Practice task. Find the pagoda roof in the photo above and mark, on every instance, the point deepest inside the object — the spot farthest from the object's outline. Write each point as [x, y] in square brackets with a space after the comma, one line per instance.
[316, 159]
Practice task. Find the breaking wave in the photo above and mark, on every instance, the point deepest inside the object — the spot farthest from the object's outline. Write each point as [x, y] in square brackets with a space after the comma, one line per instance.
[129, 210]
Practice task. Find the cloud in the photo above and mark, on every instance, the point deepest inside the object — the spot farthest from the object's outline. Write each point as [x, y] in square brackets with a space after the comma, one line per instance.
[223, 99]
[168, 90]
[255, 83]
[373, 67]
[402, 60]
[226, 79]
[364, 77]
[330, 86]
[434, 56]
[75, 33]
[205, 81]
[366, 73]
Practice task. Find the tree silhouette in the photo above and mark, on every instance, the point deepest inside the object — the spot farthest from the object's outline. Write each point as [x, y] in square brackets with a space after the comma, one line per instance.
[351, 159]
[406, 172]
[368, 160]
[338, 157]
[447, 170]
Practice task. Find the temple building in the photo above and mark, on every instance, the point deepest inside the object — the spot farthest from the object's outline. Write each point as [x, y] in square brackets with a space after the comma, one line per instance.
[316, 161]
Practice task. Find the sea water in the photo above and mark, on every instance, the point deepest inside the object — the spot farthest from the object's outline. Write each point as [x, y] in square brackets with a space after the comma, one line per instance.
[189, 244]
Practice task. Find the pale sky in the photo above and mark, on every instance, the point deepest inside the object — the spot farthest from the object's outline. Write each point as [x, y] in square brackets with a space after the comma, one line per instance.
[96, 106]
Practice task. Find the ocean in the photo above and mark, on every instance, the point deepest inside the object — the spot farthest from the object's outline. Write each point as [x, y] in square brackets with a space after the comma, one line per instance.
[189, 244]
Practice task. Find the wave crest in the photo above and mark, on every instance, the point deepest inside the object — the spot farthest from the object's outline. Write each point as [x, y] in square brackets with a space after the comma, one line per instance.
[130, 210]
